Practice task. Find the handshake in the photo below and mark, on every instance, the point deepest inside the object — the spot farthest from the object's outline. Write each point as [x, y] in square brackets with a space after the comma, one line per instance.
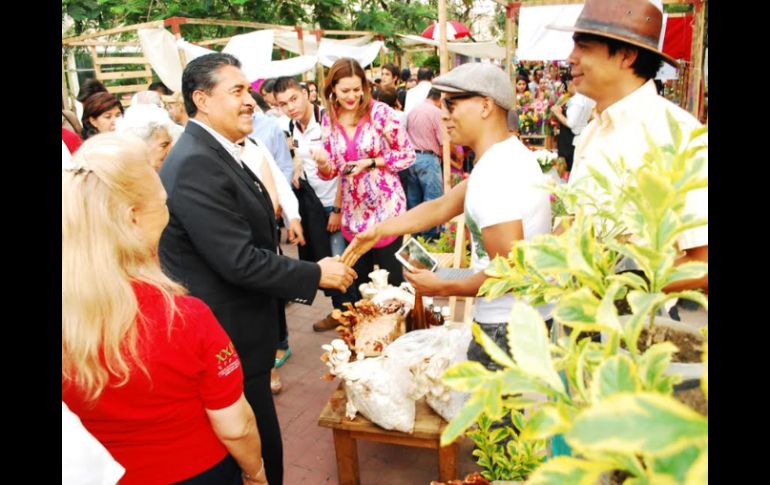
[335, 274]
[337, 271]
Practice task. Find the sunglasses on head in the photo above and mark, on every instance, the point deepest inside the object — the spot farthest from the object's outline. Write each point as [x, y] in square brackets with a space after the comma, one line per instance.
[449, 101]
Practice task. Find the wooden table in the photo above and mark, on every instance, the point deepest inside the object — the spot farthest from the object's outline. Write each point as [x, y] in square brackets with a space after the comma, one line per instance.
[427, 433]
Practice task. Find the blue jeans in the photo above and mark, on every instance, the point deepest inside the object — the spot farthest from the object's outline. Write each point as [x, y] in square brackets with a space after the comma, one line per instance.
[424, 183]
[338, 245]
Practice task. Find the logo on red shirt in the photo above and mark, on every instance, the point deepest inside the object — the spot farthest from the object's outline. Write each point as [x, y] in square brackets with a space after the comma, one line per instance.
[227, 360]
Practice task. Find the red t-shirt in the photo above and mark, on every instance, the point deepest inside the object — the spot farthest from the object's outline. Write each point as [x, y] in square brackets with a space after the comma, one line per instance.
[72, 140]
[158, 429]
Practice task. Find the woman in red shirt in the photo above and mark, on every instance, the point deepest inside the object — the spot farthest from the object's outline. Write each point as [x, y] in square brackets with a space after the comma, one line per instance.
[149, 371]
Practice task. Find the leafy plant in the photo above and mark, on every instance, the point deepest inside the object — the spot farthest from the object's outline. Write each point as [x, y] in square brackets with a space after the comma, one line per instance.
[615, 410]
[499, 451]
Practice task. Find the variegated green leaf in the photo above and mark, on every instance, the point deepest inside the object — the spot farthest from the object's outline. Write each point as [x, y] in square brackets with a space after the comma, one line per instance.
[496, 288]
[701, 130]
[545, 422]
[607, 314]
[677, 464]
[466, 376]
[631, 280]
[695, 296]
[704, 382]
[641, 304]
[620, 461]
[699, 471]
[547, 254]
[578, 310]
[565, 470]
[464, 419]
[648, 423]
[490, 347]
[651, 479]
[686, 271]
[674, 128]
[498, 268]
[652, 367]
[514, 381]
[615, 375]
[528, 341]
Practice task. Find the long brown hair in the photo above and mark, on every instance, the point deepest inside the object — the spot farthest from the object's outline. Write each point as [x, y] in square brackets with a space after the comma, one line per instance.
[346, 67]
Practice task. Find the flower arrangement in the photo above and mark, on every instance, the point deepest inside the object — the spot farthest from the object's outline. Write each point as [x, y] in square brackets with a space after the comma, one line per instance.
[546, 159]
[535, 114]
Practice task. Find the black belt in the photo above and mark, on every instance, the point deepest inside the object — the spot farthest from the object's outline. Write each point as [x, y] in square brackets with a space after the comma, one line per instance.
[426, 152]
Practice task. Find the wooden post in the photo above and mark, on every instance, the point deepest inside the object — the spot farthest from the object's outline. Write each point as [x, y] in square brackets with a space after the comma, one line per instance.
[72, 74]
[696, 61]
[382, 52]
[65, 99]
[321, 79]
[447, 462]
[444, 66]
[508, 52]
[301, 39]
[175, 22]
[512, 12]
[444, 51]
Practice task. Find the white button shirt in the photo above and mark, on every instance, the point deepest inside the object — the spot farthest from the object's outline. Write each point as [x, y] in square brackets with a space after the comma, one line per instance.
[619, 131]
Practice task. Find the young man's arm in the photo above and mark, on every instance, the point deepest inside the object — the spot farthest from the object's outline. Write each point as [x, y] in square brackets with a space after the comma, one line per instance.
[426, 215]
[498, 240]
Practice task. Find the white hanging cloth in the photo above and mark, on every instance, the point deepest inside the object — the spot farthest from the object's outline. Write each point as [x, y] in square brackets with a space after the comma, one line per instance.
[254, 50]
[159, 47]
[330, 51]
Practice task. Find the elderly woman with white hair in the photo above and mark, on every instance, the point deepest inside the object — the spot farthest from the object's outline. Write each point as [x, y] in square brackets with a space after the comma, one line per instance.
[153, 125]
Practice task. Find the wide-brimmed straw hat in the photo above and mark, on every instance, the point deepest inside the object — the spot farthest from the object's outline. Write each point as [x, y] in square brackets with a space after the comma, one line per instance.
[637, 22]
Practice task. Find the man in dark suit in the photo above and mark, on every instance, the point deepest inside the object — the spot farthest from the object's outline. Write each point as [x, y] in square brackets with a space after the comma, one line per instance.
[221, 241]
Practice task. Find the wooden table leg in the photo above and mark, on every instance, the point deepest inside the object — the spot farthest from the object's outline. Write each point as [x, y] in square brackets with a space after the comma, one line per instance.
[347, 458]
[447, 463]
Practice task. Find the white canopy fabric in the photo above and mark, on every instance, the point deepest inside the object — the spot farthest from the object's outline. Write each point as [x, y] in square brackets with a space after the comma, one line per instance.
[538, 43]
[191, 51]
[254, 50]
[159, 47]
[329, 51]
[486, 50]
[289, 41]
[287, 67]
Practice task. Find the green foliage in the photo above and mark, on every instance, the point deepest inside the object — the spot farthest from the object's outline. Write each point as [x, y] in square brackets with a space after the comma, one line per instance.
[616, 411]
[433, 62]
[501, 454]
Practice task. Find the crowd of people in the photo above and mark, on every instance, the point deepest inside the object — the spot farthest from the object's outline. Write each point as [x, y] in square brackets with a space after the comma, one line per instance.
[174, 287]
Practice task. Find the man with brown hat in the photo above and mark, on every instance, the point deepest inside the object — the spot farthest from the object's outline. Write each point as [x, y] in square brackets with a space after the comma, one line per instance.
[614, 61]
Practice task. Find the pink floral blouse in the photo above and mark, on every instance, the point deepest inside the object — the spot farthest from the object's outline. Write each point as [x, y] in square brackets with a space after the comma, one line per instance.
[369, 196]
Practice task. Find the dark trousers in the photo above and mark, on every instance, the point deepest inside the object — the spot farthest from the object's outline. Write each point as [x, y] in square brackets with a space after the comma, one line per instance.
[226, 472]
[385, 258]
[257, 391]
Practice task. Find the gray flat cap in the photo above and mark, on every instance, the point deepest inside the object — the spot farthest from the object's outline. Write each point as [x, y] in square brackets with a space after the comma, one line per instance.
[484, 79]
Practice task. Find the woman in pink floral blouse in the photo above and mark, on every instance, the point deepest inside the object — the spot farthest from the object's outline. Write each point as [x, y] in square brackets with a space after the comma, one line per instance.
[366, 145]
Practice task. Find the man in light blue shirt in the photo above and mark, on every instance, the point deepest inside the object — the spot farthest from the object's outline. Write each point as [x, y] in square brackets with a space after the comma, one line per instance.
[267, 130]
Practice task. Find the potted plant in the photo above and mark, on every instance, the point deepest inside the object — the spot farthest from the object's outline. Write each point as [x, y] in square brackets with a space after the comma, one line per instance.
[615, 409]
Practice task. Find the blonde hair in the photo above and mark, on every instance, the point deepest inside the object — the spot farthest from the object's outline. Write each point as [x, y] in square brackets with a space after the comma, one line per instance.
[102, 255]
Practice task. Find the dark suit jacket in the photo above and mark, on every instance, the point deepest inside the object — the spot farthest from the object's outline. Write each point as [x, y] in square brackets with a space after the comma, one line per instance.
[221, 244]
